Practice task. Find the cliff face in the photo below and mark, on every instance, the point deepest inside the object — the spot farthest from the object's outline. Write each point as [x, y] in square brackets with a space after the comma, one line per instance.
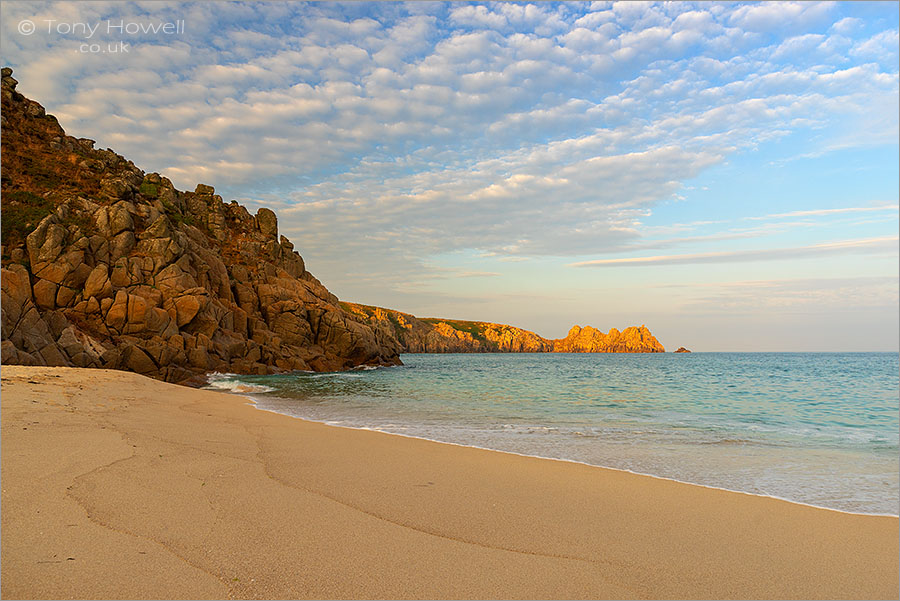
[106, 266]
[430, 335]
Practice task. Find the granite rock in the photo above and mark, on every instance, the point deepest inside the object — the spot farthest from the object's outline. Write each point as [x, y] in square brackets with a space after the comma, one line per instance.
[124, 271]
[410, 334]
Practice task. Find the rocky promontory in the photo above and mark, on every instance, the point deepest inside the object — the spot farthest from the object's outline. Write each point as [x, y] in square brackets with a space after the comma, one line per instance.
[632, 339]
[434, 335]
[107, 266]
[104, 265]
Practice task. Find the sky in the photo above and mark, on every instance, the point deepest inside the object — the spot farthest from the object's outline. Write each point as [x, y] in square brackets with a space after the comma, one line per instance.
[725, 173]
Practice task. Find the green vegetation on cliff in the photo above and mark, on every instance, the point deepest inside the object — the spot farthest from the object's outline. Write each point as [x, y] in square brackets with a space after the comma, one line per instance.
[475, 329]
[22, 211]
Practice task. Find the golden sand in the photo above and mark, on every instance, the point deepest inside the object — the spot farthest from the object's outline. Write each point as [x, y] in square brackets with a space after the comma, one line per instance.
[119, 486]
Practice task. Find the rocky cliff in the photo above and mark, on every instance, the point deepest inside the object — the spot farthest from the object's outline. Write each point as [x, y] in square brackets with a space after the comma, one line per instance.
[432, 335]
[590, 340]
[104, 265]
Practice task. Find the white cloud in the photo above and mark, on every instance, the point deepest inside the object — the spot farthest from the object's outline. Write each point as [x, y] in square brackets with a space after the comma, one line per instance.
[387, 132]
[476, 274]
[807, 295]
[847, 25]
[797, 44]
[769, 16]
[477, 16]
[882, 46]
[820, 212]
[883, 245]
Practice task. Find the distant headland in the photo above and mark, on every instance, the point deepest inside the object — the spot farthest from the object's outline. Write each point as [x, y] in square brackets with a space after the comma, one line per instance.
[436, 335]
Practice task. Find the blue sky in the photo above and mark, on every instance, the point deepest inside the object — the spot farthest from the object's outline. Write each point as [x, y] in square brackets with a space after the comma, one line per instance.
[725, 173]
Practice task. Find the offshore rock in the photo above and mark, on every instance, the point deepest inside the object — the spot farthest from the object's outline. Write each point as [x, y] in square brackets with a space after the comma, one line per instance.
[106, 266]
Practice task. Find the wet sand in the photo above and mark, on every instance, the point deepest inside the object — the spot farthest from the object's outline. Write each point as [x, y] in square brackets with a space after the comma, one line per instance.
[119, 486]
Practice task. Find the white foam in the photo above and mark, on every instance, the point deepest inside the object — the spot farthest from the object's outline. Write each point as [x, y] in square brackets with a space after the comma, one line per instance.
[230, 383]
[471, 446]
[226, 383]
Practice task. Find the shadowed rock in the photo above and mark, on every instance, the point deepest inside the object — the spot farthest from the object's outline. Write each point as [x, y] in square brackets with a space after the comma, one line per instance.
[106, 266]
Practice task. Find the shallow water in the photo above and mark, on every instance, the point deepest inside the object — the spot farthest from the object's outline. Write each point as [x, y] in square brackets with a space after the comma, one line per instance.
[818, 428]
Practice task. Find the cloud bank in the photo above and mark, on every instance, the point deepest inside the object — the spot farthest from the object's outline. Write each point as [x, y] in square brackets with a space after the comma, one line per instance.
[886, 245]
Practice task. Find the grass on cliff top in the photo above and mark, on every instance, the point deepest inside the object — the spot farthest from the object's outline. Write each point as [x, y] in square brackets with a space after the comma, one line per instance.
[475, 328]
[149, 190]
[368, 311]
[172, 212]
[40, 174]
[398, 327]
[20, 214]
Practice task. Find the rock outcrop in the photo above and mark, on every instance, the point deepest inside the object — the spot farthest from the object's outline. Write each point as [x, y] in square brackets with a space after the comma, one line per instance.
[104, 265]
[681, 349]
[432, 335]
[590, 340]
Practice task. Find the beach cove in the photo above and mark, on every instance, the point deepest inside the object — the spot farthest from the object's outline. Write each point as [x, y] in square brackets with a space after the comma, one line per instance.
[813, 428]
[119, 486]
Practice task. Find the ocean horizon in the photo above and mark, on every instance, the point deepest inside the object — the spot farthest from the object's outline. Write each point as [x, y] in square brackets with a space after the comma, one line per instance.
[817, 428]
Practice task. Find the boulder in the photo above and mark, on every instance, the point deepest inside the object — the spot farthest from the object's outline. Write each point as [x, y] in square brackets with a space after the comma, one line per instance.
[115, 188]
[137, 360]
[121, 244]
[268, 223]
[65, 296]
[117, 314]
[15, 297]
[97, 283]
[45, 294]
[160, 228]
[46, 242]
[186, 308]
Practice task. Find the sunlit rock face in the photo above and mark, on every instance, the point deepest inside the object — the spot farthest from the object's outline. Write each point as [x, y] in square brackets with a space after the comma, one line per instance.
[431, 335]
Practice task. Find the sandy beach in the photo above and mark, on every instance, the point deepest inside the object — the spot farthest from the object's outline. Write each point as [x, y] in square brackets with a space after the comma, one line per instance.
[119, 486]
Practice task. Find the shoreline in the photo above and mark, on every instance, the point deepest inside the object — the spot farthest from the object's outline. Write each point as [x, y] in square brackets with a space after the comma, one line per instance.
[254, 403]
[119, 486]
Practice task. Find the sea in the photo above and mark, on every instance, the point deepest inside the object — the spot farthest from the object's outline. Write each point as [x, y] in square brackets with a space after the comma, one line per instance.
[814, 428]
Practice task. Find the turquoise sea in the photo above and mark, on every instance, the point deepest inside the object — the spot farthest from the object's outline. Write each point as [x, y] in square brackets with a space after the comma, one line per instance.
[817, 428]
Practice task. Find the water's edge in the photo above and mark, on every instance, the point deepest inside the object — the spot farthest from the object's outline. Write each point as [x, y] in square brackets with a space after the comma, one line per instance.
[253, 402]
[817, 430]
